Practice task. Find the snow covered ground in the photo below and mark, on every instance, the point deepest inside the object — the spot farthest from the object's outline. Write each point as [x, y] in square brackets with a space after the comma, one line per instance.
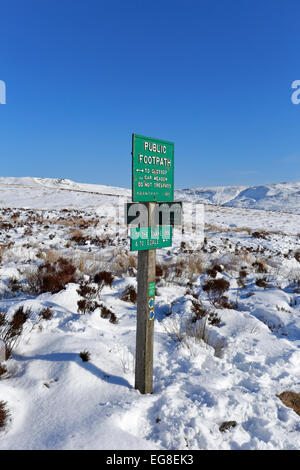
[231, 371]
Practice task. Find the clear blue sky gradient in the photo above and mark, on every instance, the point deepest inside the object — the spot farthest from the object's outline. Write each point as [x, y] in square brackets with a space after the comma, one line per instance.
[213, 76]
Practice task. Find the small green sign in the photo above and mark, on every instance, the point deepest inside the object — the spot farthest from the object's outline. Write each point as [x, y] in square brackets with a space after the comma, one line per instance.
[151, 289]
[152, 169]
[150, 238]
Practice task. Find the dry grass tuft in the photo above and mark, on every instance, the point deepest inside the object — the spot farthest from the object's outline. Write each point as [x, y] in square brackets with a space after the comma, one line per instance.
[194, 264]
[123, 262]
[51, 256]
[191, 334]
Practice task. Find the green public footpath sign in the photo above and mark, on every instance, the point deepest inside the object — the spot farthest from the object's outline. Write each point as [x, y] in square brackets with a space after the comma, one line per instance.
[152, 169]
[150, 238]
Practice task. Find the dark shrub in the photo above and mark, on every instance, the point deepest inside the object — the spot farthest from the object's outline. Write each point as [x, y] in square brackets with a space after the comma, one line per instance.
[261, 234]
[262, 282]
[10, 331]
[218, 268]
[214, 319]
[4, 414]
[215, 288]
[2, 319]
[101, 242]
[3, 370]
[200, 311]
[14, 285]
[129, 294]
[86, 291]
[19, 318]
[53, 277]
[158, 271]
[259, 267]
[104, 278]
[113, 318]
[85, 356]
[82, 306]
[107, 313]
[224, 302]
[211, 272]
[46, 313]
[85, 305]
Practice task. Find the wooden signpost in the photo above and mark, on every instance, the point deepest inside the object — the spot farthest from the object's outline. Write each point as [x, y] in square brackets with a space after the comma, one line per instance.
[152, 183]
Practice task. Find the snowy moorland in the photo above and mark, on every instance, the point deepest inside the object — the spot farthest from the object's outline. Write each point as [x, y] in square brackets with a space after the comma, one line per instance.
[227, 321]
[278, 197]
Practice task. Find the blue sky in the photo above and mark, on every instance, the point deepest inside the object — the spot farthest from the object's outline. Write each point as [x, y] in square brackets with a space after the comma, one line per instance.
[213, 77]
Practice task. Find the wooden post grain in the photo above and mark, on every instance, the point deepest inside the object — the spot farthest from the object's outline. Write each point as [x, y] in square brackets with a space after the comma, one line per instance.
[145, 326]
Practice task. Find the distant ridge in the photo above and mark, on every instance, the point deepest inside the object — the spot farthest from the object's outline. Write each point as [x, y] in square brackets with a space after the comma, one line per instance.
[276, 197]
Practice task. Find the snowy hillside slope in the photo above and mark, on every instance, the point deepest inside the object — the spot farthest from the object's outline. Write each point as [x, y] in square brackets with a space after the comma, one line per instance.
[47, 193]
[216, 195]
[44, 193]
[275, 197]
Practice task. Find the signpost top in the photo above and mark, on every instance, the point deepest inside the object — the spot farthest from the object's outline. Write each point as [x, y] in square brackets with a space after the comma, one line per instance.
[152, 169]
